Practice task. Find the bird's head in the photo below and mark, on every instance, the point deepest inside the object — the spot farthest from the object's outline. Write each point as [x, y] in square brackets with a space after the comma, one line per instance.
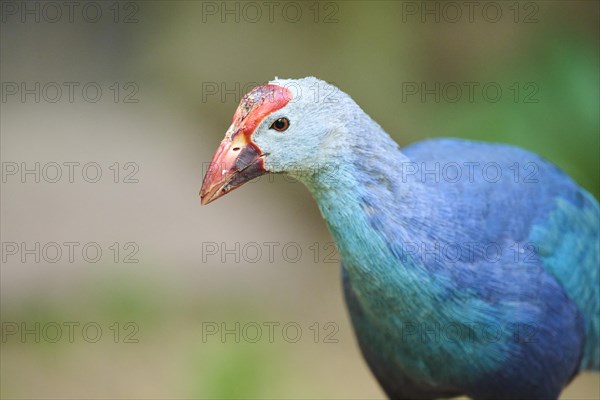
[285, 126]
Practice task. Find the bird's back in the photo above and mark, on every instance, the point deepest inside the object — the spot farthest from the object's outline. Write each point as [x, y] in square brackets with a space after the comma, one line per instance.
[547, 229]
[519, 193]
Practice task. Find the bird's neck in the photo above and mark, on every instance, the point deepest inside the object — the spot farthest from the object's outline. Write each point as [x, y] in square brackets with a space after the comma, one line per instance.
[368, 209]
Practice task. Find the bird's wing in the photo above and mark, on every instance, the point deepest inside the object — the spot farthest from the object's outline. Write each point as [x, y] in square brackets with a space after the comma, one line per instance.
[534, 205]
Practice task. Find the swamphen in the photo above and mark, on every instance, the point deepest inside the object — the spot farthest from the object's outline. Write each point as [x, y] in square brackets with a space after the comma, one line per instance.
[468, 268]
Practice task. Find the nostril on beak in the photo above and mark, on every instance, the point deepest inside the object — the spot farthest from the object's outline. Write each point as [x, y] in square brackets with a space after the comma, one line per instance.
[236, 149]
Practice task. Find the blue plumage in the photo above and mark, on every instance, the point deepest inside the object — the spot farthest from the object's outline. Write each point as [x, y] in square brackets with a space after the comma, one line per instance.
[468, 268]
[517, 322]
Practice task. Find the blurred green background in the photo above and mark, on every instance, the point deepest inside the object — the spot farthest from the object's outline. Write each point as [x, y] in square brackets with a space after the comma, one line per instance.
[190, 65]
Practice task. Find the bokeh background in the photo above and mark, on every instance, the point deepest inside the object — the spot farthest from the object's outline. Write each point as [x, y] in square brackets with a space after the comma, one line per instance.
[180, 69]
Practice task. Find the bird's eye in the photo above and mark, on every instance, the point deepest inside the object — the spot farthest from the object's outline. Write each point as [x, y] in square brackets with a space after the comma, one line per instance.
[281, 124]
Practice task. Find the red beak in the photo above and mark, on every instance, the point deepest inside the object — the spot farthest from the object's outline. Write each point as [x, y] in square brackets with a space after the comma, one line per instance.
[236, 162]
[238, 159]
